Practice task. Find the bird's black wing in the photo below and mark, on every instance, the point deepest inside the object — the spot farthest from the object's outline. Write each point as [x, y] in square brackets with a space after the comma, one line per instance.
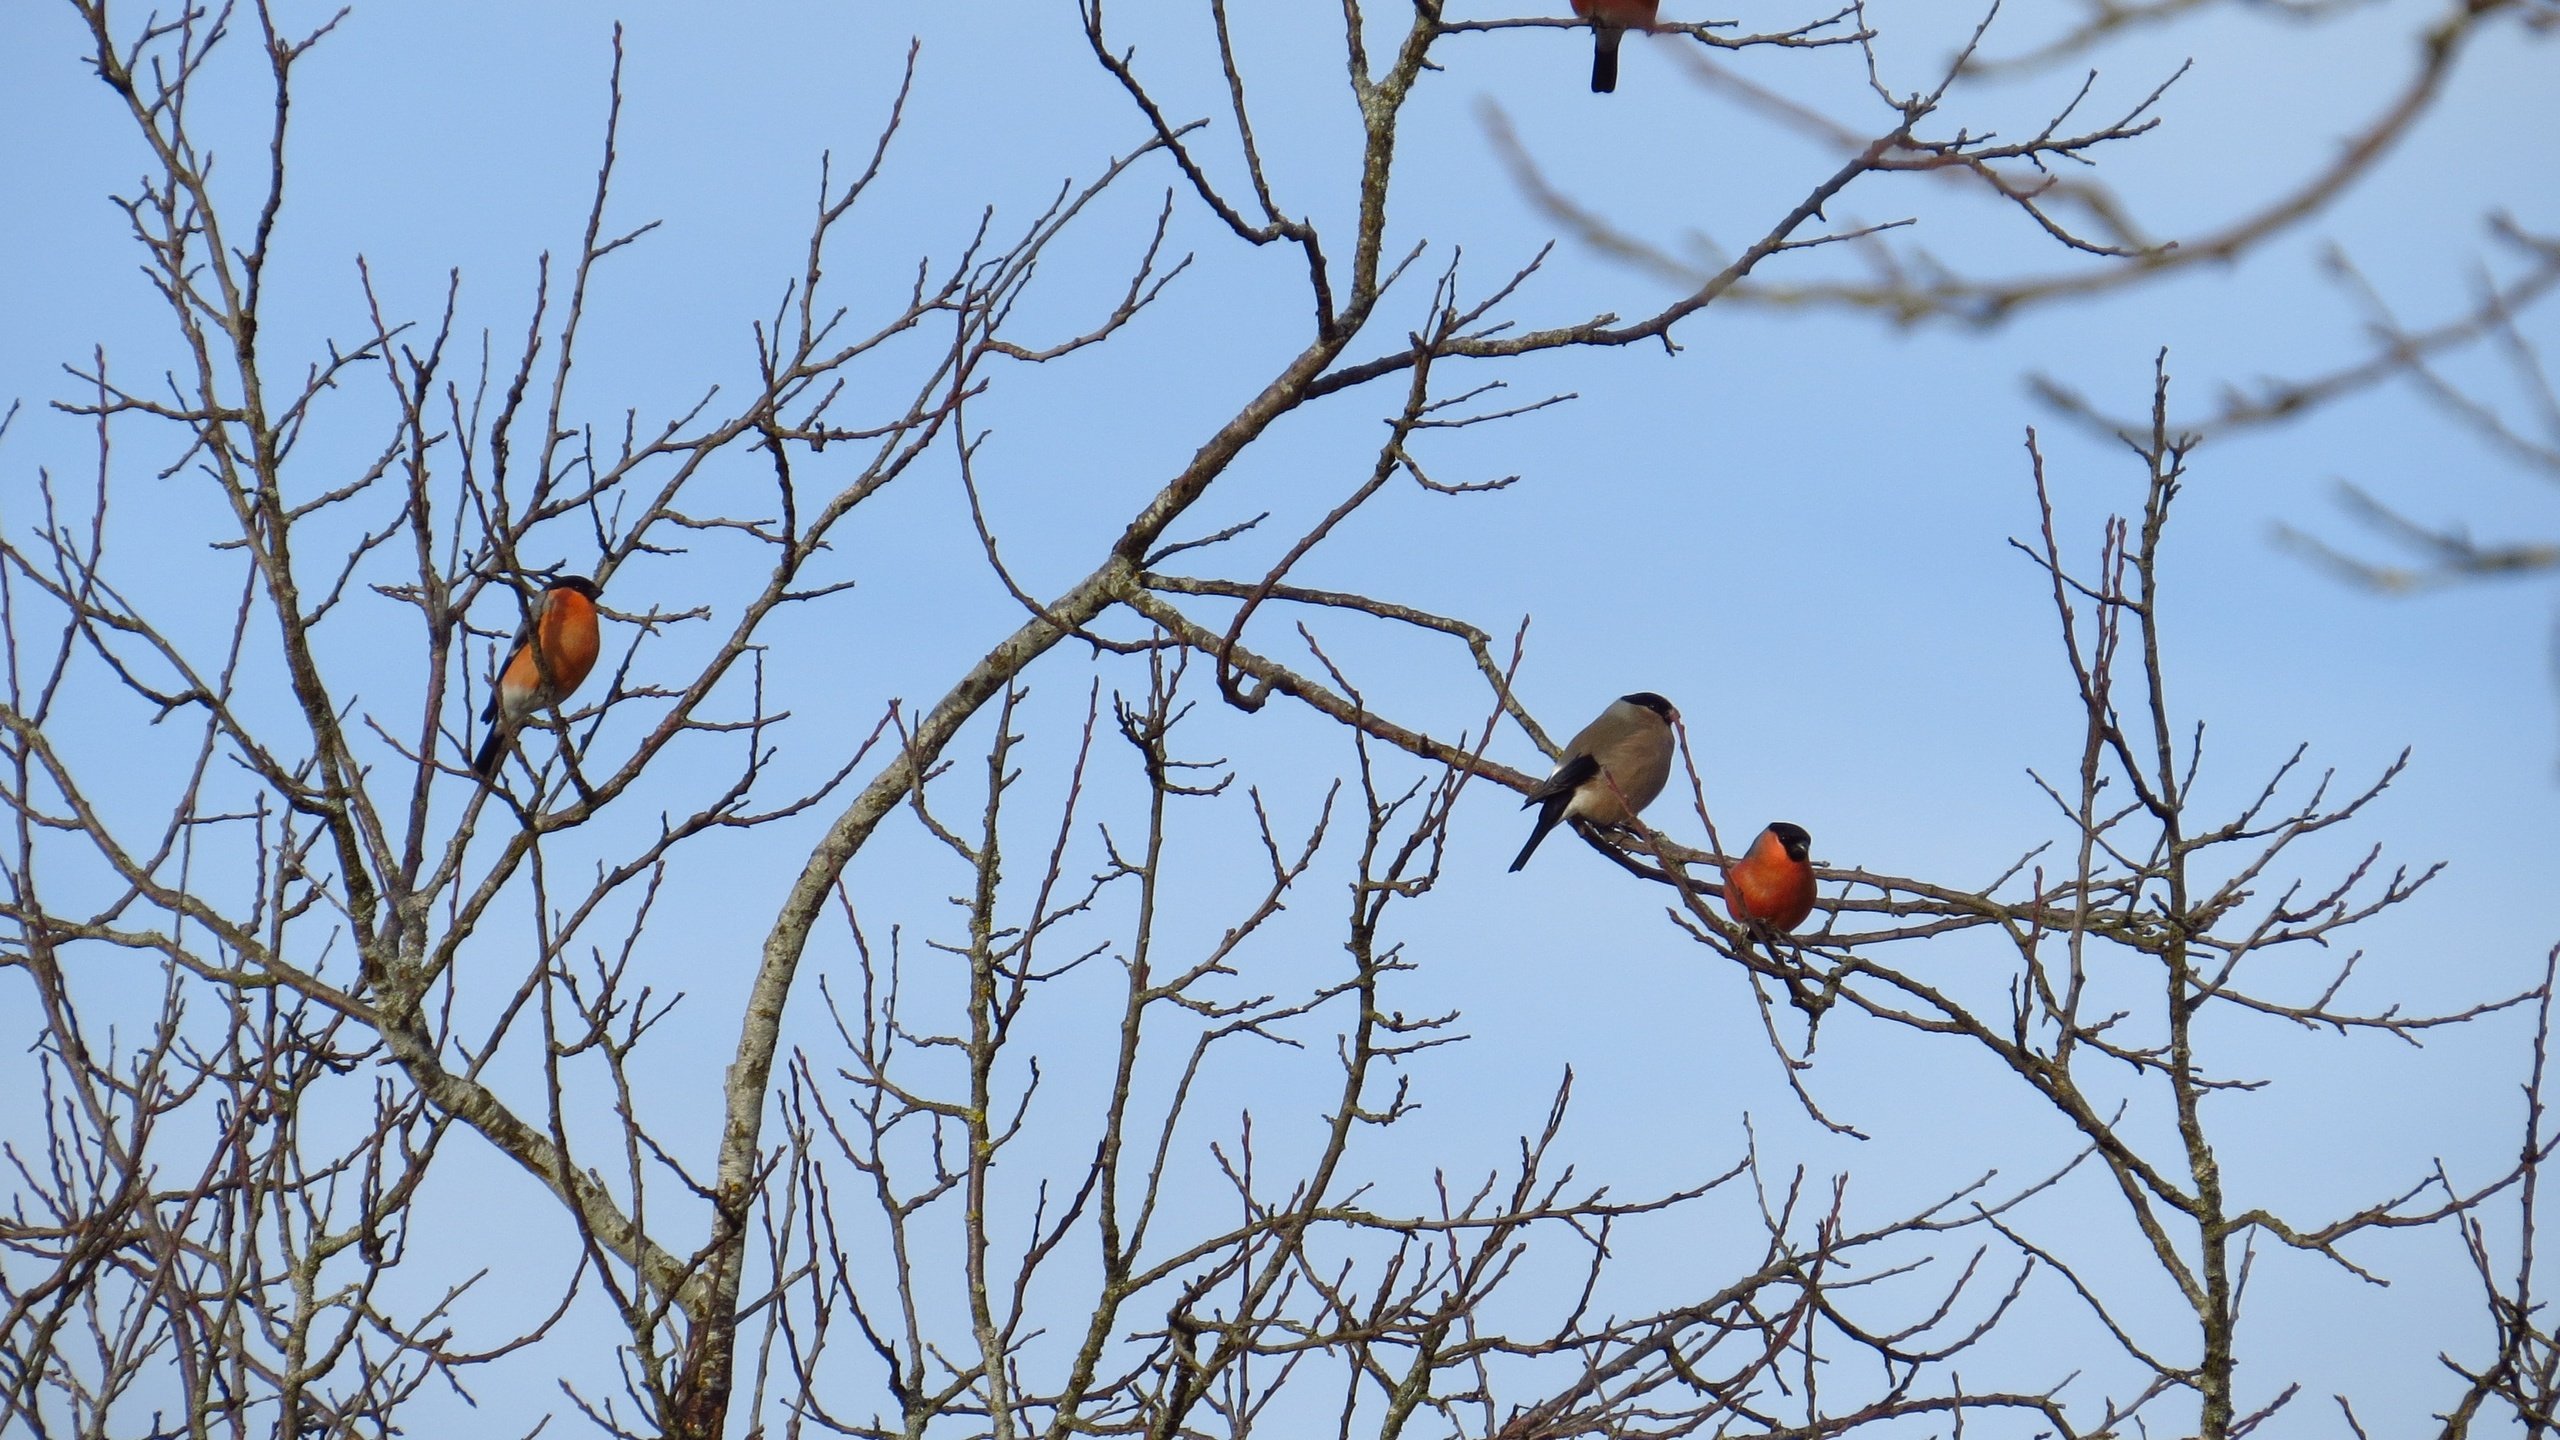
[1568, 778]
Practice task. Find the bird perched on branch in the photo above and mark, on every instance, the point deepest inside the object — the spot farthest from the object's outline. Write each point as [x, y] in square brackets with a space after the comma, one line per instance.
[1610, 22]
[554, 650]
[1772, 884]
[1610, 770]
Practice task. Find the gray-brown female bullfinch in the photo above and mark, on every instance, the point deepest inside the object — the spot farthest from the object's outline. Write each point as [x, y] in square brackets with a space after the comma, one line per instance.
[1773, 882]
[554, 650]
[1610, 21]
[1628, 747]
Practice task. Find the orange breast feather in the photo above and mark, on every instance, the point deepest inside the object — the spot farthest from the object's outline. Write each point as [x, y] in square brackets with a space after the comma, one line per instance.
[566, 636]
[569, 639]
[1767, 886]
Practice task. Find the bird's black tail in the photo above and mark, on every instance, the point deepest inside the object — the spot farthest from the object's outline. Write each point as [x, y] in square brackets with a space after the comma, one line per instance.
[485, 764]
[1604, 76]
[1548, 814]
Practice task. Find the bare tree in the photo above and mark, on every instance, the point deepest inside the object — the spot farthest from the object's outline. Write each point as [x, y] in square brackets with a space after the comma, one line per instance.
[2202, 906]
[1041, 1162]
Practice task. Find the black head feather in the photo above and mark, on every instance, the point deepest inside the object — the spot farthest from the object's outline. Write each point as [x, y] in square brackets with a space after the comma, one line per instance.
[1646, 699]
[579, 583]
[1798, 842]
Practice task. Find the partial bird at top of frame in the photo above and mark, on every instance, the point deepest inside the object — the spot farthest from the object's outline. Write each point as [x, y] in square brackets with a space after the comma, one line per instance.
[1610, 22]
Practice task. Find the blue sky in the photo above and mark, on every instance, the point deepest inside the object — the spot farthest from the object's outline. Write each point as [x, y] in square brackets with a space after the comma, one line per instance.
[1795, 527]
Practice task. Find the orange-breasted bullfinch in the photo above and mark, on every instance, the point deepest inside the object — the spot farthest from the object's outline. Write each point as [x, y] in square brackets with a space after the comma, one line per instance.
[1610, 770]
[1610, 22]
[554, 650]
[1772, 884]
